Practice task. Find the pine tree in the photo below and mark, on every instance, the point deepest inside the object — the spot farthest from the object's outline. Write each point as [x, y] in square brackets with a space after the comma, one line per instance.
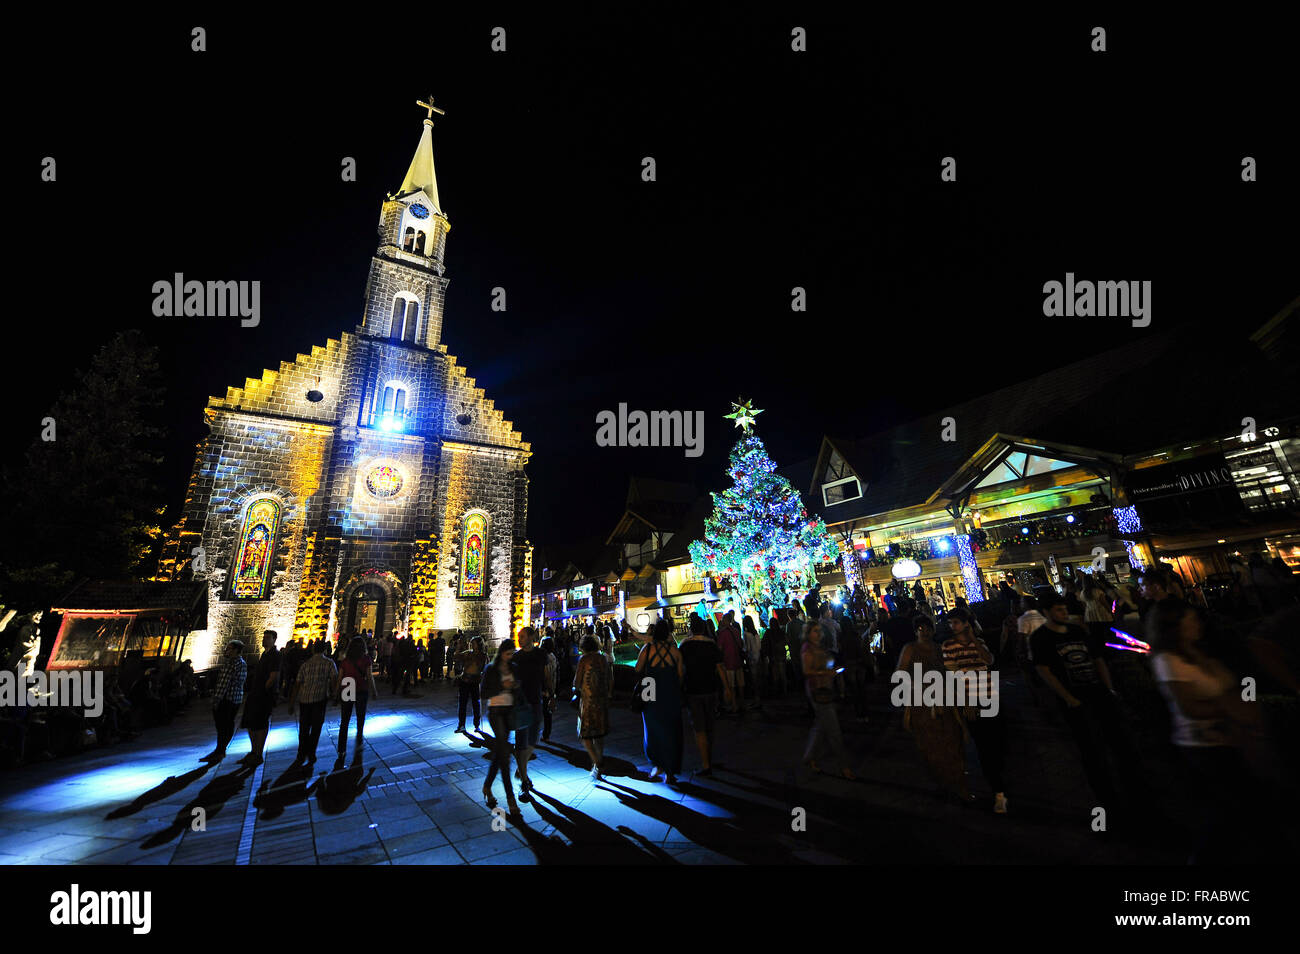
[759, 533]
[85, 504]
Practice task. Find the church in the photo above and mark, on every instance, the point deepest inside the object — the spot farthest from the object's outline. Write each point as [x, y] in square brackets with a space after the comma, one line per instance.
[368, 484]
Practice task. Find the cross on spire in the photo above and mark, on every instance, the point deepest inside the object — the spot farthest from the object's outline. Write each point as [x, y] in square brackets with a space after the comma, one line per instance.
[431, 108]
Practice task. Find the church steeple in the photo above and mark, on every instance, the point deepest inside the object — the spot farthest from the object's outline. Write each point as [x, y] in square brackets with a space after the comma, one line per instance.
[420, 176]
[405, 294]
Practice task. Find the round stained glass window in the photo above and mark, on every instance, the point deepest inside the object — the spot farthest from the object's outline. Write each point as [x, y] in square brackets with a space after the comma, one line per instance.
[384, 481]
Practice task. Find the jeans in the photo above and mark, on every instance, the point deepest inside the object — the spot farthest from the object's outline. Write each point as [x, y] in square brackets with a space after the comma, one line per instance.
[547, 717]
[825, 734]
[311, 718]
[224, 716]
[990, 738]
[1098, 725]
[499, 720]
[468, 691]
[345, 718]
[855, 685]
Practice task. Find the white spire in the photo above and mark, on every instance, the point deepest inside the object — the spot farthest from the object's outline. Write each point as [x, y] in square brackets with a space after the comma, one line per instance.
[421, 175]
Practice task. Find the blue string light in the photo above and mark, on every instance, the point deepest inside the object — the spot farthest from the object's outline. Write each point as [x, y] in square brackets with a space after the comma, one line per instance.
[970, 573]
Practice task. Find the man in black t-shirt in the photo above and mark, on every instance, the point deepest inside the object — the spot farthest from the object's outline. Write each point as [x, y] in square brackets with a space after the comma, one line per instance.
[1069, 660]
[702, 660]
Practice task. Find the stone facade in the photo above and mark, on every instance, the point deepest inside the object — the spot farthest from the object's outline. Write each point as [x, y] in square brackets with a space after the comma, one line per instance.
[374, 446]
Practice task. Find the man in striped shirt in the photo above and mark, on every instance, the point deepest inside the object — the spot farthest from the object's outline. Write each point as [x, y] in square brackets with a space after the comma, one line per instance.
[227, 696]
[317, 683]
[965, 652]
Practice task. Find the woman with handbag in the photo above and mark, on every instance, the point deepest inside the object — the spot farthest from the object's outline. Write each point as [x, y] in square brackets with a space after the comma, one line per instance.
[498, 691]
[819, 677]
[661, 670]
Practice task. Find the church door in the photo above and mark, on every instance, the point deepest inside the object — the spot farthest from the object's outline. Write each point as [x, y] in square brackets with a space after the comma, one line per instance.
[366, 609]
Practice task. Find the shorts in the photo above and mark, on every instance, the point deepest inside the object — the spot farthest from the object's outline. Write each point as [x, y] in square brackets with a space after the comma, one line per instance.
[701, 708]
[257, 711]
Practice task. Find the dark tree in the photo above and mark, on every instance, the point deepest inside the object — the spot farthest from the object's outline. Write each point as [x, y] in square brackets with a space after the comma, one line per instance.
[85, 504]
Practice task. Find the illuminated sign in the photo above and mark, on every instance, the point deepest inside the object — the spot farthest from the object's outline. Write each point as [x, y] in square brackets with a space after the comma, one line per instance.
[906, 570]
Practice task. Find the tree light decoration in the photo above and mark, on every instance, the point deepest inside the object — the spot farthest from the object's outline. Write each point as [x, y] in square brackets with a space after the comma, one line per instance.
[1129, 524]
[970, 572]
[759, 534]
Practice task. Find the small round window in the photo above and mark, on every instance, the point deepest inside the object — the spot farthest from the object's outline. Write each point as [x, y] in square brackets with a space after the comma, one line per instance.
[384, 481]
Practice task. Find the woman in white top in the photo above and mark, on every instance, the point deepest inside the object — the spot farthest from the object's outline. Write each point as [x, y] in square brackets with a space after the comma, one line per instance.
[1210, 721]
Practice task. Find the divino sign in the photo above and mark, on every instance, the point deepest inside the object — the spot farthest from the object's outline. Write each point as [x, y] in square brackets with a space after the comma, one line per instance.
[1197, 488]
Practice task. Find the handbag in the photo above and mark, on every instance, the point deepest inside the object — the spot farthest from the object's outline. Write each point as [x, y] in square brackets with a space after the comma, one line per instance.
[638, 702]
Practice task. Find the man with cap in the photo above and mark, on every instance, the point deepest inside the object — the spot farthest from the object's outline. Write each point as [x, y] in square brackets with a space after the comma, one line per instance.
[227, 696]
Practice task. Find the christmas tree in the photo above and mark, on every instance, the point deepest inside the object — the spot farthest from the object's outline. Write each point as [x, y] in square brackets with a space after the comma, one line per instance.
[759, 534]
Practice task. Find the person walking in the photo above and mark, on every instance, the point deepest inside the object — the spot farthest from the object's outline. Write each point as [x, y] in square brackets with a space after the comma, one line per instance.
[529, 667]
[733, 656]
[591, 682]
[966, 653]
[227, 696]
[818, 679]
[317, 683]
[438, 656]
[773, 656]
[356, 687]
[1070, 663]
[262, 696]
[469, 672]
[794, 643]
[1211, 728]
[853, 657]
[936, 729]
[549, 686]
[703, 673]
[753, 661]
[660, 662]
[498, 690]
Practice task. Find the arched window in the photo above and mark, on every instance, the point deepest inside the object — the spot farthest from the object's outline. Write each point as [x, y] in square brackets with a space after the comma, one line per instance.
[419, 243]
[406, 315]
[251, 572]
[408, 240]
[473, 555]
[391, 413]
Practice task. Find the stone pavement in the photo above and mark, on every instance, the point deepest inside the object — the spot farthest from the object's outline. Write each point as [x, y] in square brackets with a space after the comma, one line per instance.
[416, 798]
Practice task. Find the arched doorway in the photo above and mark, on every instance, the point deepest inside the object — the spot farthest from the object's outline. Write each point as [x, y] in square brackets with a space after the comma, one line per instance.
[367, 609]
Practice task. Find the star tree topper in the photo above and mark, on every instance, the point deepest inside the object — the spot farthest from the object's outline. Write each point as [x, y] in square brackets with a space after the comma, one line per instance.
[744, 415]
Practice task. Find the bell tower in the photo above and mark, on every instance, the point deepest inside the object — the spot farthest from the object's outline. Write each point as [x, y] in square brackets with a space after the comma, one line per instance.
[406, 288]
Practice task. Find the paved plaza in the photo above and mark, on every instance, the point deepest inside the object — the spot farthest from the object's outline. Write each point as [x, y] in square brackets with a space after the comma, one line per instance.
[416, 798]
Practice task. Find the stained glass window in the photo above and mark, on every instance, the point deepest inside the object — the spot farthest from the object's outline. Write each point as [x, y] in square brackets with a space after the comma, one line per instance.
[473, 555]
[384, 481]
[252, 573]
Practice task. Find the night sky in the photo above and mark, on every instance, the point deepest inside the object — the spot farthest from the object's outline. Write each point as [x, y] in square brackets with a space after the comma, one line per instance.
[775, 169]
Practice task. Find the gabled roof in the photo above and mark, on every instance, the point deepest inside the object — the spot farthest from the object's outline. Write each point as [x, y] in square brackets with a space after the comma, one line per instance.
[653, 505]
[1088, 403]
[183, 597]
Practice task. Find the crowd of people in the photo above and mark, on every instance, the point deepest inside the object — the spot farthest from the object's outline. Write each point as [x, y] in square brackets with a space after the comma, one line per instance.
[139, 694]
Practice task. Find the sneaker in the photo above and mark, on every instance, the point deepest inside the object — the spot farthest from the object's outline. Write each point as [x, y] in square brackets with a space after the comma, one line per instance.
[595, 773]
[999, 804]
[460, 728]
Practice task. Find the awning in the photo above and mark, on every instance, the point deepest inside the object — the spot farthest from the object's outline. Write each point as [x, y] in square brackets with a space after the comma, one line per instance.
[684, 599]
